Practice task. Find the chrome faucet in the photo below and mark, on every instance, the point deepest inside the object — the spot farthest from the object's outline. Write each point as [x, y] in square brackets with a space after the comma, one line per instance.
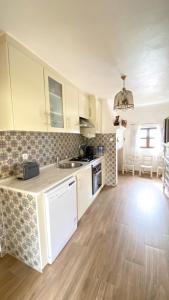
[57, 161]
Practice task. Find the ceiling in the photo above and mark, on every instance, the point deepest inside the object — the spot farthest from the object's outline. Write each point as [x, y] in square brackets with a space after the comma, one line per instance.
[91, 42]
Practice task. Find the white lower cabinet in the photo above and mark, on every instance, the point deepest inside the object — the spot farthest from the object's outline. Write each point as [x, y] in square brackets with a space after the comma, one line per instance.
[84, 190]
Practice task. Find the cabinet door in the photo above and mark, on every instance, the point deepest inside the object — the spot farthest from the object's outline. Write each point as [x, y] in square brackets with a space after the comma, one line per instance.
[6, 113]
[84, 190]
[72, 108]
[54, 91]
[83, 106]
[27, 87]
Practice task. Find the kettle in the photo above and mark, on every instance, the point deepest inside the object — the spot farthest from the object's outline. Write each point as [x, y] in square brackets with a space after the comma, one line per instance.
[82, 150]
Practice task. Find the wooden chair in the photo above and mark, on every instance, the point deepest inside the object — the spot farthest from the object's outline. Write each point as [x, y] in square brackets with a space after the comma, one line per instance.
[146, 165]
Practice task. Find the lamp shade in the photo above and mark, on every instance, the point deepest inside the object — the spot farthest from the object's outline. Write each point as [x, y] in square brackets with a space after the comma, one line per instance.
[124, 98]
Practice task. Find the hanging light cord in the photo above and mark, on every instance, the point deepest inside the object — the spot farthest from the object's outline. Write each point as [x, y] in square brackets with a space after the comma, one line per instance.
[123, 77]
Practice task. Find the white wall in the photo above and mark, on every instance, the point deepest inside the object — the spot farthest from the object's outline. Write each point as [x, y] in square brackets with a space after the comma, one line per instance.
[147, 114]
[139, 115]
[154, 114]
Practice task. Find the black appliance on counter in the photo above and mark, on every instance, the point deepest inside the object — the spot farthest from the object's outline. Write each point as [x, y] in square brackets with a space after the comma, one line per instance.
[27, 170]
[86, 154]
[90, 151]
[82, 150]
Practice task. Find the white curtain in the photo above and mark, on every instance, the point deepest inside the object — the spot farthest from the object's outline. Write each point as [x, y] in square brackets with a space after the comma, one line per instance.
[132, 146]
[130, 140]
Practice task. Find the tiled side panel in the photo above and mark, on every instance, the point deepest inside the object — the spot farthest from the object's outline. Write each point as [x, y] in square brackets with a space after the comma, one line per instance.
[42, 146]
[3, 246]
[2, 237]
[20, 226]
[109, 142]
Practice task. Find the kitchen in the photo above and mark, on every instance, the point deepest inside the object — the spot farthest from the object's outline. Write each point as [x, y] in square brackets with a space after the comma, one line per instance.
[66, 162]
[81, 215]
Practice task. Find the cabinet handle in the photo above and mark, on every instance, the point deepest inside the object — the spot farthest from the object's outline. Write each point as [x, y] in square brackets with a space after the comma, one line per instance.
[71, 183]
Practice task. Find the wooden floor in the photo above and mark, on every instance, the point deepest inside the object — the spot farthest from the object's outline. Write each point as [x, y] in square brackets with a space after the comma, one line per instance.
[120, 251]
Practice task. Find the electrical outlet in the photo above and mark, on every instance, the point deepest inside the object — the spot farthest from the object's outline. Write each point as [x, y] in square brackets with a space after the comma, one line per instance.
[24, 156]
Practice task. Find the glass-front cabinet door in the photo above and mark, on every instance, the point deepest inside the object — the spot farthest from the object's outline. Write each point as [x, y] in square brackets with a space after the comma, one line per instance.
[54, 102]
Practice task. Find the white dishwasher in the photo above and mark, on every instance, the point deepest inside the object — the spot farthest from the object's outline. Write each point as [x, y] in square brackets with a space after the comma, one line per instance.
[61, 216]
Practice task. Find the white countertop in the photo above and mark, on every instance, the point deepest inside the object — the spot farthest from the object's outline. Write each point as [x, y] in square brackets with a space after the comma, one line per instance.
[48, 178]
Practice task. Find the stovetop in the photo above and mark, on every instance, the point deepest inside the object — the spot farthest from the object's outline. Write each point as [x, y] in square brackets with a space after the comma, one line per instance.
[84, 159]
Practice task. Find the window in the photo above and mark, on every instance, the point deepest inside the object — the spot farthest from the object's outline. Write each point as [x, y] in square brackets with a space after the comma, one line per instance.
[147, 137]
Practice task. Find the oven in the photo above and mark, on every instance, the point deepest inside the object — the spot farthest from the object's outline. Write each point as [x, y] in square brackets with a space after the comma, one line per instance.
[96, 176]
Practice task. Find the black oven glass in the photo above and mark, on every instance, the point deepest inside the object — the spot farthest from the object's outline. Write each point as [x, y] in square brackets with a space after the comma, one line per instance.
[96, 178]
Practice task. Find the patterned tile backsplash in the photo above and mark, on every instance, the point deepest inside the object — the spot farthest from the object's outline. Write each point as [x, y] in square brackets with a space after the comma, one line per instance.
[109, 143]
[43, 147]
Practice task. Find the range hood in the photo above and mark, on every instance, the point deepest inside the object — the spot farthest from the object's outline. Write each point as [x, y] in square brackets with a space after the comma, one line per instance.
[85, 123]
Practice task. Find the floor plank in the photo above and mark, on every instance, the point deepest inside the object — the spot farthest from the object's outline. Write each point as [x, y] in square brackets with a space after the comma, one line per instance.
[120, 251]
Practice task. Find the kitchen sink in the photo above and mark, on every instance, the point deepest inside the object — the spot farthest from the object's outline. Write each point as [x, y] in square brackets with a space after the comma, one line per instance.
[70, 165]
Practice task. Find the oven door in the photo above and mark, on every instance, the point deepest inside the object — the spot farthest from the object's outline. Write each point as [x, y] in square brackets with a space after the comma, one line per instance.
[96, 178]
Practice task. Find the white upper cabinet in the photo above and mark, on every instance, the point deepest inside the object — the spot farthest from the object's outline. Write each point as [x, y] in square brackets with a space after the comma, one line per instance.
[95, 113]
[55, 105]
[83, 105]
[72, 108]
[34, 97]
[6, 113]
[94, 116]
[22, 100]
[27, 91]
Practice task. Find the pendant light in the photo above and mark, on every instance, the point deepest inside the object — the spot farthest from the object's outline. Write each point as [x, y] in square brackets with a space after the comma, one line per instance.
[123, 99]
